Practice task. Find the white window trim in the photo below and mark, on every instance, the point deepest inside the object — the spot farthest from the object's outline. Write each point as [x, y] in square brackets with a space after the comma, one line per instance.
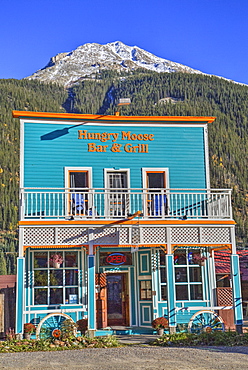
[145, 170]
[83, 169]
[154, 169]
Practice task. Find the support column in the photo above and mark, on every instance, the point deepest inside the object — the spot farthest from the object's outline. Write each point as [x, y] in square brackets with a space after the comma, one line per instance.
[236, 289]
[20, 295]
[91, 291]
[155, 284]
[171, 292]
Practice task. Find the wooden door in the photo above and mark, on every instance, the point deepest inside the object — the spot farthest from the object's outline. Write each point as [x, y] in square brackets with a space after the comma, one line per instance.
[101, 300]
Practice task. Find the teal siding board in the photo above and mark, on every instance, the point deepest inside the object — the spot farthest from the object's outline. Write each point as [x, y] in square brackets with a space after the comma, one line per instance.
[46, 155]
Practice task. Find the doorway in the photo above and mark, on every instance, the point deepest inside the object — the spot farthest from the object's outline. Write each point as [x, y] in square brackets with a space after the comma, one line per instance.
[116, 201]
[117, 299]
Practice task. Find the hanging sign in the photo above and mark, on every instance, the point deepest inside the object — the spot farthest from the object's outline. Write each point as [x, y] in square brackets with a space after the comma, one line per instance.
[115, 259]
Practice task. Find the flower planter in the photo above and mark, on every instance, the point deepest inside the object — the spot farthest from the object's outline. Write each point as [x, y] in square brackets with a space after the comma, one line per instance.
[27, 335]
[160, 331]
[56, 265]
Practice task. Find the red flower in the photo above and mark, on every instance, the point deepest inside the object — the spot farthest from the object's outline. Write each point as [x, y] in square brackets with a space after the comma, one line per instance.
[56, 333]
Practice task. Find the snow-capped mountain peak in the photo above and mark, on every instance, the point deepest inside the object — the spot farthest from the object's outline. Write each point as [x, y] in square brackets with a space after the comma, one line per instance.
[89, 59]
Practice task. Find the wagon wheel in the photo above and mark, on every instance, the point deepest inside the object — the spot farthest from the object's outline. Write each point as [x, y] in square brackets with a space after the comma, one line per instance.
[50, 325]
[205, 321]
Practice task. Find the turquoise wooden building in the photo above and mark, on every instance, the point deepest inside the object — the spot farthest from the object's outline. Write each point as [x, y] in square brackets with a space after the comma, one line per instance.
[118, 223]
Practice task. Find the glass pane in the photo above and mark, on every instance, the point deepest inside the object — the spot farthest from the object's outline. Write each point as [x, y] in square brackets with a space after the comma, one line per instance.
[162, 258]
[71, 277]
[163, 274]
[182, 293]
[40, 259]
[71, 259]
[56, 296]
[164, 292]
[71, 295]
[56, 277]
[40, 296]
[180, 258]
[180, 274]
[195, 274]
[56, 259]
[145, 290]
[192, 255]
[40, 278]
[196, 292]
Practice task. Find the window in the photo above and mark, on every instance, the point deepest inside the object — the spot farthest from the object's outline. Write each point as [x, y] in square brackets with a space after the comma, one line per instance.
[188, 276]
[163, 276]
[77, 184]
[145, 290]
[154, 181]
[55, 282]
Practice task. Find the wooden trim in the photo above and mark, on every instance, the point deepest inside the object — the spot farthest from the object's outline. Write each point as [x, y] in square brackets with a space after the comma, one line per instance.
[55, 246]
[127, 222]
[70, 116]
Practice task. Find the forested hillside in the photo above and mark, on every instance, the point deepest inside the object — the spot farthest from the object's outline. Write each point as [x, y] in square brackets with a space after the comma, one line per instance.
[151, 93]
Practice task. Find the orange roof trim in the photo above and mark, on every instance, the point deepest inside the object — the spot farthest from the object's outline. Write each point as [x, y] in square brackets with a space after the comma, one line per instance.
[92, 117]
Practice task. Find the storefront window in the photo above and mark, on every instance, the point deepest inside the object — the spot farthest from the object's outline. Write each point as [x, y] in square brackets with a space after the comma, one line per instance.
[163, 276]
[145, 290]
[55, 278]
[188, 275]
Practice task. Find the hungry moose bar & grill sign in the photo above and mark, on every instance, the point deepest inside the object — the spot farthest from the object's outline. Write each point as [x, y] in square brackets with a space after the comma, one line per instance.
[113, 146]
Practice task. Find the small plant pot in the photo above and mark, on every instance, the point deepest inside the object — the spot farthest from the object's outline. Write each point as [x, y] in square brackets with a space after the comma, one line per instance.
[56, 265]
[202, 263]
[27, 335]
[160, 331]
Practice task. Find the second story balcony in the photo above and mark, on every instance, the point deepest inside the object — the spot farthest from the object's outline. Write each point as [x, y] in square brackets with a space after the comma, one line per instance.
[108, 204]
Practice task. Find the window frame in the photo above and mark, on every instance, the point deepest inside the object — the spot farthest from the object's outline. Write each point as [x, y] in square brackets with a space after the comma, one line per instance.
[145, 172]
[68, 199]
[64, 285]
[188, 282]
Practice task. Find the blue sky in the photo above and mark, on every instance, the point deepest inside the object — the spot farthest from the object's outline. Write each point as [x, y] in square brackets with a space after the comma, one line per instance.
[209, 35]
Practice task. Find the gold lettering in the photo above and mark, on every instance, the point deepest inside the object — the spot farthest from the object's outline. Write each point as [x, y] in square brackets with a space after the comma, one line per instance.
[91, 147]
[128, 148]
[82, 134]
[140, 137]
[150, 137]
[115, 136]
[116, 148]
[126, 135]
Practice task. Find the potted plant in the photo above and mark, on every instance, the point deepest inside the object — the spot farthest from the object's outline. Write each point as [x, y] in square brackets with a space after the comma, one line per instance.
[56, 260]
[82, 325]
[29, 329]
[160, 323]
[199, 259]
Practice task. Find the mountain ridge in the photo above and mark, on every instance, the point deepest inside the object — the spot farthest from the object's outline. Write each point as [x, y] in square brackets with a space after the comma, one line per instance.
[89, 59]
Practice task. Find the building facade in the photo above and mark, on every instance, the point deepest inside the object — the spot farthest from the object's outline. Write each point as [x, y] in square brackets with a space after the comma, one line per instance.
[118, 223]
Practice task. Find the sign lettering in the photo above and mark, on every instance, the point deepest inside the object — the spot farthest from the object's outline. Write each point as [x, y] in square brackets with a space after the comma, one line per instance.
[113, 137]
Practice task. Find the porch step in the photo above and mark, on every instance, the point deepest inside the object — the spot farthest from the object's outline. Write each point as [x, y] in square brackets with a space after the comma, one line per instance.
[127, 330]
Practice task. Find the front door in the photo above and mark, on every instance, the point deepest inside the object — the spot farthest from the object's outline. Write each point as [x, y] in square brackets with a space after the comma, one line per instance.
[117, 299]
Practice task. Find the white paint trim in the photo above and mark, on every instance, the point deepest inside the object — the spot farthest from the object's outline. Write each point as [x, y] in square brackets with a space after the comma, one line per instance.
[141, 265]
[143, 316]
[141, 123]
[21, 153]
[83, 169]
[206, 148]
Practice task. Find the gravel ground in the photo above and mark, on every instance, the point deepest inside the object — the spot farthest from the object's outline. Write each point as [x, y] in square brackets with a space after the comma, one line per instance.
[131, 357]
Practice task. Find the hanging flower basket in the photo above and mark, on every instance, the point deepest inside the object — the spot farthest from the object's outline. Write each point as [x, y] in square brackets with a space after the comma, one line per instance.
[199, 259]
[56, 260]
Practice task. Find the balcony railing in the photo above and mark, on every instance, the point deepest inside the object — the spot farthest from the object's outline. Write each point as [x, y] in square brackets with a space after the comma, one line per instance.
[37, 203]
